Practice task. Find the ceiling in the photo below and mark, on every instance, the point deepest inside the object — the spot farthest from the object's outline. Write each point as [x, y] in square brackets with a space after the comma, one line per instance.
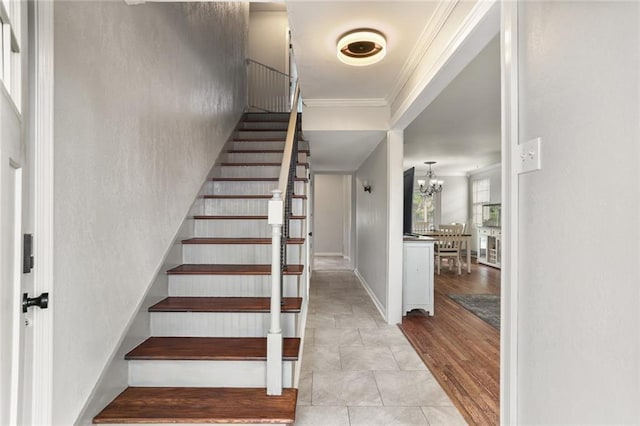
[316, 26]
[460, 129]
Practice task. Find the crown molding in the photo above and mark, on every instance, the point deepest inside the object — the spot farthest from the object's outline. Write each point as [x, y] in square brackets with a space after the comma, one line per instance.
[345, 103]
[428, 35]
[480, 11]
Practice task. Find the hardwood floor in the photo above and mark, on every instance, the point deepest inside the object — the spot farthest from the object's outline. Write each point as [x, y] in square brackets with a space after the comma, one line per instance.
[461, 350]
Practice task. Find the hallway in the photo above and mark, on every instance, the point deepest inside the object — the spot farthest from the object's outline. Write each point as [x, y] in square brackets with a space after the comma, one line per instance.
[357, 370]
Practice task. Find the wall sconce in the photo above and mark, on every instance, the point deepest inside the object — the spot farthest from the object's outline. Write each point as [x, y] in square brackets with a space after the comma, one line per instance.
[366, 186]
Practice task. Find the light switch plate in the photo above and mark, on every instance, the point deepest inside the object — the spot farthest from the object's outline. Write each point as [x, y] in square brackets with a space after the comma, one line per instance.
[529, 156]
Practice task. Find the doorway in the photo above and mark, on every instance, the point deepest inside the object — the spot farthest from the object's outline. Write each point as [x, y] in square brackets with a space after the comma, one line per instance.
[332, 216]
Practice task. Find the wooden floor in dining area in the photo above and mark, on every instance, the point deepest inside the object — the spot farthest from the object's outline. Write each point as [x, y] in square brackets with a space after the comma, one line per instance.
[461, 350]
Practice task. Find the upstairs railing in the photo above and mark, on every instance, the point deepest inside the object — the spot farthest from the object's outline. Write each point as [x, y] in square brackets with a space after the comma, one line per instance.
[269, 89]
[279, 217]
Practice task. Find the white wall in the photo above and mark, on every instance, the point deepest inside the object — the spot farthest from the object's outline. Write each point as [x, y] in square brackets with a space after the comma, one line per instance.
[268, 39]
[329, 210]
[349, 230]
[372, 223]
[145, 98]
[579, 301]
[454, 199]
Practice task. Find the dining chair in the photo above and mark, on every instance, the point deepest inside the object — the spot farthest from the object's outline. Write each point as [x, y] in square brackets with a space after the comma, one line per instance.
[449, 246]
[461, 225]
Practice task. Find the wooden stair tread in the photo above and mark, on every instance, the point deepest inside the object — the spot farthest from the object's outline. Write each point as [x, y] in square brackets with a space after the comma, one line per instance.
[263, 151]
[261, 130]
[199, 405]
[247, 197]
[258, 217]
[271, 120]
[253, 179]
[243, 240]
[211, 349]
[257, 164]
[224, 304]
[258, 140]
[223, 269]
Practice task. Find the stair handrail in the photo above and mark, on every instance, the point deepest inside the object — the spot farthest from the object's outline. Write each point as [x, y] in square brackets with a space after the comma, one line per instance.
[278, 217]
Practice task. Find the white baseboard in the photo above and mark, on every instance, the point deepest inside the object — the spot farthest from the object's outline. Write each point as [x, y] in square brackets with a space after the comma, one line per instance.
[372, 295]
[328, 254]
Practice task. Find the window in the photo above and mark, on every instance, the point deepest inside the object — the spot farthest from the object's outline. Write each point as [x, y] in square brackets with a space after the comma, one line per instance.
[480, 194]
[10, 63]
[423, 212]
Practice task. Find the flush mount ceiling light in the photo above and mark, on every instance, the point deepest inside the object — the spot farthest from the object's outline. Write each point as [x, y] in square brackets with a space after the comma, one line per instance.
[361, 47]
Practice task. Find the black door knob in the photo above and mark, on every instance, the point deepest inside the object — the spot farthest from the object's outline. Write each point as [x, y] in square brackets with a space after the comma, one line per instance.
[41, 301]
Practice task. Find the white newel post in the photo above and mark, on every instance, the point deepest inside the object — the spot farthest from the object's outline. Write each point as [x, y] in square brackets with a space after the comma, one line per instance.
[274, 337]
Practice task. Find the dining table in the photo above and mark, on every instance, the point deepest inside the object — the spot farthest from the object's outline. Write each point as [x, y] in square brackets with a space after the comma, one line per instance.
[466, 238]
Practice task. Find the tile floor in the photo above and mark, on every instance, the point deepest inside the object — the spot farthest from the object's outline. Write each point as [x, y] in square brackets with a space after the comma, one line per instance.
[357, 370]
[330, 263]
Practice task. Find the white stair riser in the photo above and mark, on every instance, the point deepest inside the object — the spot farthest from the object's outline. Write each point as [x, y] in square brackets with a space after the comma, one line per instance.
[262, 125]
[261, 157]
[248, 188]
[217, 324]
[237, 254]
[269, 117]
[211, 228]
[258, 135]
[204, 373]
[229, 285]
[254, 171]
[258, 145]
[245, 206]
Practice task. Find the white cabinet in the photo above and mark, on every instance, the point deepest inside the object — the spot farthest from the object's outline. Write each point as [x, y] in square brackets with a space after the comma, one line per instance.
[490, 246]
[417, 276]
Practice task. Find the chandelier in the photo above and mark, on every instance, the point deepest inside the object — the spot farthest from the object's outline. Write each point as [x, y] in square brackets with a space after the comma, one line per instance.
[434, 186]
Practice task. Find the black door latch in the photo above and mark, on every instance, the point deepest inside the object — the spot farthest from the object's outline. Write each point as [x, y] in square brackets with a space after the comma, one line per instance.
[41, 301]
[27, 253]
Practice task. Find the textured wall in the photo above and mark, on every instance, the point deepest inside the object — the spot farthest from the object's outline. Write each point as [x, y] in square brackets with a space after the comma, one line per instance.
[372, 223]
[578, 322]
[145, 98]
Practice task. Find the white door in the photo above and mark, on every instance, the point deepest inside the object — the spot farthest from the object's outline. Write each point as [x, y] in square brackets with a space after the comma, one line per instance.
[11, 171]
[16, 347]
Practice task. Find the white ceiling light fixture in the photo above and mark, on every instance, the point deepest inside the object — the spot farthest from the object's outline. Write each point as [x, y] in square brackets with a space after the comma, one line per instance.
[362, 47]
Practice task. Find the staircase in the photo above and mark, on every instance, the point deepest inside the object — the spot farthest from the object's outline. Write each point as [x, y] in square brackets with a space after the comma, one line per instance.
[206, 360]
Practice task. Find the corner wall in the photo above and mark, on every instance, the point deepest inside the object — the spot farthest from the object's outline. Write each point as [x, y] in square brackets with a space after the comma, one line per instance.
[578, 322]
[145, 97]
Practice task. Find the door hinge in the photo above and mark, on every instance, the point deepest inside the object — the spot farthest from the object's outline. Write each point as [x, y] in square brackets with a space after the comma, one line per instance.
[27, 253]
